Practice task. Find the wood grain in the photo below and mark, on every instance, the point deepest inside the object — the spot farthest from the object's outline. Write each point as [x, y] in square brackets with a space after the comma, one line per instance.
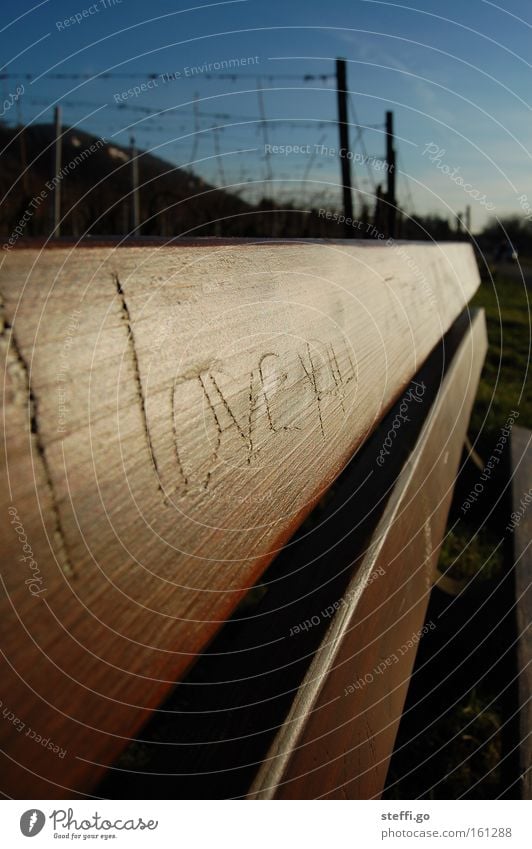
[521, 526]
[170, 416]
[339, 735]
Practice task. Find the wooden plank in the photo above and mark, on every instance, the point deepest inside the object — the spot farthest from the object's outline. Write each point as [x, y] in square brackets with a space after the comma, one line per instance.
[171, 415]
[520, 525]
[338, 737]
[214, 730]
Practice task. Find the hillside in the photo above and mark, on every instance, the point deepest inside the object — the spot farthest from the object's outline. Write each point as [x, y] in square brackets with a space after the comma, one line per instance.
[96, 180]
[96, 183]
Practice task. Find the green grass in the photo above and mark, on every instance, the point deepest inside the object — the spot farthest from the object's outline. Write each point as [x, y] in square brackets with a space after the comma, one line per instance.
[466, 554]
[460, 755]
[474, 753]
[505, 382]
[469, 552]
[466, 740]
[504, 387]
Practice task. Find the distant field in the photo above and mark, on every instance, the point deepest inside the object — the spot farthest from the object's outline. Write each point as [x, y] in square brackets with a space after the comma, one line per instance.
[461, 750]
[505, 382]
[505, 386]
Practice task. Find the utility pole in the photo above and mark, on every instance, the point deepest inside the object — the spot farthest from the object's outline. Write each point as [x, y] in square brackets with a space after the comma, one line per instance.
[468, 220]
[343, 128]
[195, 143]
[378, 223]
[219, 160]
[24, 159]
[218, 223]
[391, 212]
[135, 211]
[56, 231]
[22, 146]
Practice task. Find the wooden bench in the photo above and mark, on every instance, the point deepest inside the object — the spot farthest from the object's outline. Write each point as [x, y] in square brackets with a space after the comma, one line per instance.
[172, 415]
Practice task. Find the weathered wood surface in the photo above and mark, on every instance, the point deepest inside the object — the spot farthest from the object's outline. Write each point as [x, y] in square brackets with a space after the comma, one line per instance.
[171, 414]
[521, 526]
[215, 729]
[339, 735]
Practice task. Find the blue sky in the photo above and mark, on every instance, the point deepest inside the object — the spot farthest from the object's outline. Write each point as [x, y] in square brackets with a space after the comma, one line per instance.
[457, 76]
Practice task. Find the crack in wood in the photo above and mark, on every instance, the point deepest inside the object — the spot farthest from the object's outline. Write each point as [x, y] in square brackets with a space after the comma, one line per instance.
[267, 399]
[371, 741]
[261, 386]
[14, 352]
[336, 375]
[138, 382]
[313, 380]
[250, 416]
[176, 445]
[247, 437]
[227, 407]
[219, 432]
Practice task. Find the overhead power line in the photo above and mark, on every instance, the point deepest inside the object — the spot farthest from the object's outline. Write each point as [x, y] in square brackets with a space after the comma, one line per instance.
[152, 75]
[360, 138]
[264, 125]
[177, 112]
